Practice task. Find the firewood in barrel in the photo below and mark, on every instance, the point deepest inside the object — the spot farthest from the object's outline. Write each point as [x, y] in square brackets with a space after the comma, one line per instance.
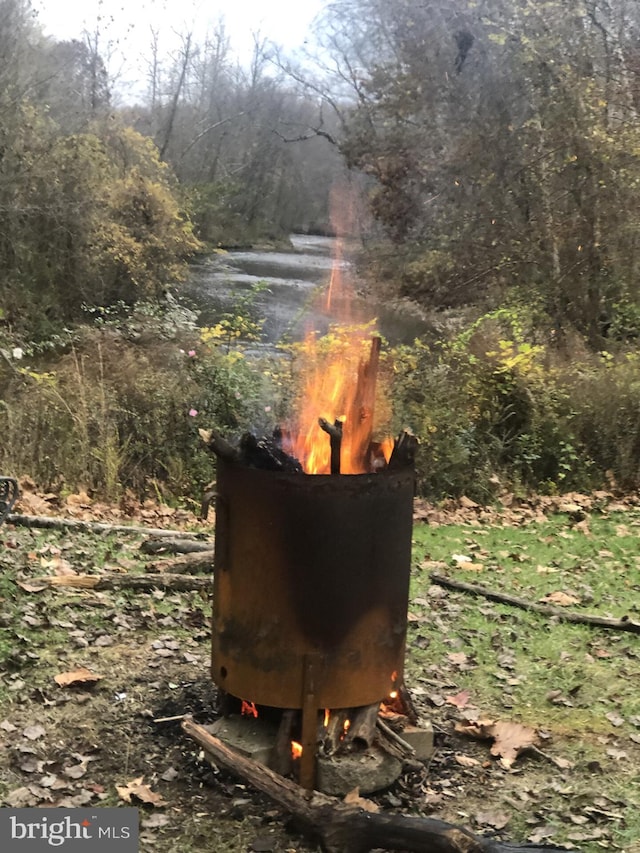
[334, 731]
[362, 729]
[265, 453]
[282, 758]
[360, 416]
[404, 451]
[334, 432]
[219, 445]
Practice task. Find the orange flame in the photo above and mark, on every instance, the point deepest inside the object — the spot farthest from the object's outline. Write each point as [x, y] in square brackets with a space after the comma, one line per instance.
[296, 749]
[333, 390]
[335, 369]
[248, 709]
[327, 715]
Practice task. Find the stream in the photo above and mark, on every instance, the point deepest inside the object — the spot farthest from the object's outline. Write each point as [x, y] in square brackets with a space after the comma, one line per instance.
[289, 304]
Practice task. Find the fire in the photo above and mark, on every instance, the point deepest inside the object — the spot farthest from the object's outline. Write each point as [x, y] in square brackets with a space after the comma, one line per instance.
[296, 749]
[338, 372]
[346, 726]
[248, 709]
[327, 715]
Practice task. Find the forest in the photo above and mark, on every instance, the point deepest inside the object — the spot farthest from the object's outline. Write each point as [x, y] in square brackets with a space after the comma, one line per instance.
[494, 149]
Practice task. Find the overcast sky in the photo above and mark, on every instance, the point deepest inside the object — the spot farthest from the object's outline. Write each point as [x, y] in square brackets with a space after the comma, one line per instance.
[285, 22]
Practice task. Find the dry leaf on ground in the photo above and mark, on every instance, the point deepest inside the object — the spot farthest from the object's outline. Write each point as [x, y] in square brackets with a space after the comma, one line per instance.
[136, 789]
[76, 676]
[562, 599]
[353, 798]
[509, 739]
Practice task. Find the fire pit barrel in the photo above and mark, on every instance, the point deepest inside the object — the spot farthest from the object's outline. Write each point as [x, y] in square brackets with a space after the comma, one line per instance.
[311, 575]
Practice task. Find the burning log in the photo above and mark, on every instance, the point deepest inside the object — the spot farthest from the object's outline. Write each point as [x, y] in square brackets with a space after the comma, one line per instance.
[346, 828]
[335, 441]
[282, 761]
[361, 414]
[362, 729]
[335, 729]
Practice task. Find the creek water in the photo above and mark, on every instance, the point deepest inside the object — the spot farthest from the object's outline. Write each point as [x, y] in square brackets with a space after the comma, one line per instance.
[294, 280]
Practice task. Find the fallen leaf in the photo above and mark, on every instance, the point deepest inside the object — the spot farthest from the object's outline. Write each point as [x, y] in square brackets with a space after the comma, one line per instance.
[155, 821]
[262, 844]
[34, 732]
[460, 700]
[169, 774]
[470, 566]
[466, 760]
[140, 791]
[76, 676]
[509, 739]
[497, 820]
[562, 599]
[541, 834]
[21, 798]
[458, 658]
[75, 772]
[353, 798]
[32, 587]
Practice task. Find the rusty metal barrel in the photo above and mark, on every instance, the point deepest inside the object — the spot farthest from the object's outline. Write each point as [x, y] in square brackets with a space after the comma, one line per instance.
[311, 585]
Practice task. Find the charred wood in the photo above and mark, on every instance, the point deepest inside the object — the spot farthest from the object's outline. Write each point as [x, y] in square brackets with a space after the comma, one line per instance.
[282, 759]
[404, 450]
[265, 453]
[334, 432]
[219, 445]
[334, 731]
[362, 730]
[362, 410]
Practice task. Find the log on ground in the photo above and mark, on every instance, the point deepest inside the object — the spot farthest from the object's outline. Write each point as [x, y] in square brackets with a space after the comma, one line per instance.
[343, 828]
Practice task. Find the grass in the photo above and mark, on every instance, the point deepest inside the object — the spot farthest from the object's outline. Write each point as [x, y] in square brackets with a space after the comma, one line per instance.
[576, 684]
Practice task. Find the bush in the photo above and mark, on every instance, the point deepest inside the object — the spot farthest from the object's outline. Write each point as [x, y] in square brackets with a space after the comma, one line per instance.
[114, 414]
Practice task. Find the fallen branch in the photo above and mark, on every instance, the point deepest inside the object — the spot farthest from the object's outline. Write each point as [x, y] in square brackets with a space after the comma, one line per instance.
[55, 523]
[185, 564]
[346, 828]
[179, 545]
[624, 624]
[113, 580]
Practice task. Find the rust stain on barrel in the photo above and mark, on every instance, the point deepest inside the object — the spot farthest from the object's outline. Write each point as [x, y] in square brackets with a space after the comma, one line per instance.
[310, 565]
